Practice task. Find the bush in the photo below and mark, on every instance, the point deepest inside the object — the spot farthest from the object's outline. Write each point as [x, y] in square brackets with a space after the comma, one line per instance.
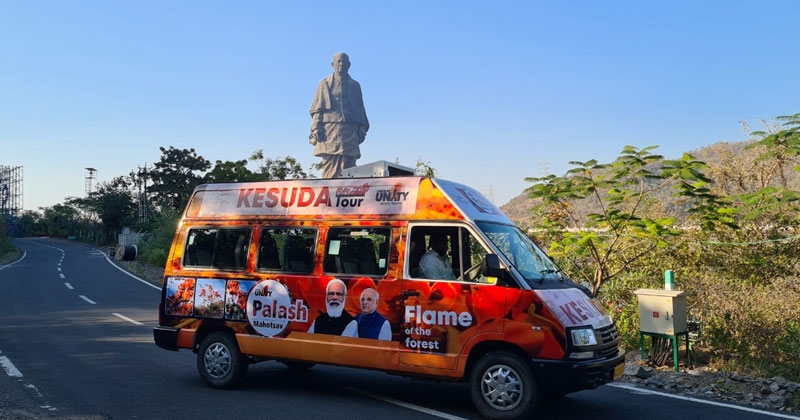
[6, 247]
[154, 250]
[755, 327]
[623, 306]
[748, 310]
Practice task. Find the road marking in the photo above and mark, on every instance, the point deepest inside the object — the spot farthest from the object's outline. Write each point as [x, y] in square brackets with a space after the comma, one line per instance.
[405, 404]
[24, 254]
[636, 389]
[9, 367]
[69, 286]
[62, 276]
[137, 278]
[125, 318]
[87, 299]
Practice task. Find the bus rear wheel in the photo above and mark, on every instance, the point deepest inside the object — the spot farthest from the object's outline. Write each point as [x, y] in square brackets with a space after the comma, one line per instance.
[220, 362]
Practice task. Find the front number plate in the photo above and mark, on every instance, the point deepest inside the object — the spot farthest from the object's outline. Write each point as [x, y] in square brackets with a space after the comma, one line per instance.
[619, 370]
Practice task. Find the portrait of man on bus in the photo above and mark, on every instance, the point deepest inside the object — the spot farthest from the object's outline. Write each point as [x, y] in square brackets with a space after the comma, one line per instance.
[336, 320]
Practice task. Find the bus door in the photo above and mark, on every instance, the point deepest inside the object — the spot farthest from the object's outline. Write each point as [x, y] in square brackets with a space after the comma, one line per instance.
[446, 301]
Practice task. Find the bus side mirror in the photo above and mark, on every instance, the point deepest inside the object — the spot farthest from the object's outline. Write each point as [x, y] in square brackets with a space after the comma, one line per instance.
[490, 266]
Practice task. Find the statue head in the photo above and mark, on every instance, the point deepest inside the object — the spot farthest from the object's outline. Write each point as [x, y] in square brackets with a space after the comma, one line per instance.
[341, 63]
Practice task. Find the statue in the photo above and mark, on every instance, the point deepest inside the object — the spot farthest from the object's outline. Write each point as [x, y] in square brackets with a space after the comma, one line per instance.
[338, 119]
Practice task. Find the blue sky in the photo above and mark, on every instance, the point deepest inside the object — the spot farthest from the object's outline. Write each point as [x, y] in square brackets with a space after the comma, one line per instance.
[488, 92]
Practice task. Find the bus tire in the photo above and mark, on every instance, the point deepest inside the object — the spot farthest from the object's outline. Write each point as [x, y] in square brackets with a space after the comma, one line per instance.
[503, 387]
[220, 362]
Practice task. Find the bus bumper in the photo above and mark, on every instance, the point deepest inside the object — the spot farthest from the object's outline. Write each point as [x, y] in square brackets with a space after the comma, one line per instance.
[166, 337]
[564, 376]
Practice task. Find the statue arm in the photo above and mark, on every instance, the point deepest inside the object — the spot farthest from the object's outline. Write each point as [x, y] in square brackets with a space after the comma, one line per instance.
[317, 109]
[364, 126]
[316, 128]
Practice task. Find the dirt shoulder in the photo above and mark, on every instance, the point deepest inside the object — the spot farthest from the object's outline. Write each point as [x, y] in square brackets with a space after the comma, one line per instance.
[774, 394]
[151, 274]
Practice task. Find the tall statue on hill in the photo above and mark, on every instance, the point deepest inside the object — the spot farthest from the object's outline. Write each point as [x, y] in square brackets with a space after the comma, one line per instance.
[338, 119]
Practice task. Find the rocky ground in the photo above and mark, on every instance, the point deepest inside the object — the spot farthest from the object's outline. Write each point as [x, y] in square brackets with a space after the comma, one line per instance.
[770, 394]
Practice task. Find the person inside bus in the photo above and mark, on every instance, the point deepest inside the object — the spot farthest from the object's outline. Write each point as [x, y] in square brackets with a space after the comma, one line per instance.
[371, 324]
[434, 264]
[335, 321]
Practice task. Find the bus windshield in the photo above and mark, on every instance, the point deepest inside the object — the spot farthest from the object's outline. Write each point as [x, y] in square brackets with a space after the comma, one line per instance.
[523, 254]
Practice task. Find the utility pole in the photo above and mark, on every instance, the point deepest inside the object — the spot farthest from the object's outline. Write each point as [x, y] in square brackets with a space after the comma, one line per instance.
[141, 182]
[89, 176]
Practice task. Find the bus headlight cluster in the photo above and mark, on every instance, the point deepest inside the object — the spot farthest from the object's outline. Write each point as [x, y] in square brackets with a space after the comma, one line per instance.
[583, 337]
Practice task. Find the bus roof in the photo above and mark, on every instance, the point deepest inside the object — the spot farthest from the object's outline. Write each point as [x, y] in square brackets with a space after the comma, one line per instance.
[403, 197]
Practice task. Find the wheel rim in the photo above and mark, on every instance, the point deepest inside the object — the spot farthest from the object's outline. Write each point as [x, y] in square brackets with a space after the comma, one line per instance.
[502, 387]
[217, 360]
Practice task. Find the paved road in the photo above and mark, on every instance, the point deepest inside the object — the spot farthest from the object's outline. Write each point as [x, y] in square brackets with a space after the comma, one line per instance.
[76, 343]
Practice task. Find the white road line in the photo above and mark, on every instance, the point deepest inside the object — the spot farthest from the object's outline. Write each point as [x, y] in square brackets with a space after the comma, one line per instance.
[87, 299]
[9, 367]
[633, 388]
[24, 254]
[59, 268]
[125, 318]
[137, 278]
[69, 286]
[405, 404]
[62, 276]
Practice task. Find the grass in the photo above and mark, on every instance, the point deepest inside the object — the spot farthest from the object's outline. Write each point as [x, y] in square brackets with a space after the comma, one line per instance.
[9, 256]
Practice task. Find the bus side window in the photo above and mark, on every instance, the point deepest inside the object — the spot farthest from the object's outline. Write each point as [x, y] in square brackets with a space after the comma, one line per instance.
[268, 252]
[217, 247]
[365, 251]
[287, 249]
[298, 254]
[416, 248]
[200, 250]
[353, 251]
[230, 249]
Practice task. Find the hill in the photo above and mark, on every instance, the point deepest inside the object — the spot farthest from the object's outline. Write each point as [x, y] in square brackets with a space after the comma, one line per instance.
[725, 160]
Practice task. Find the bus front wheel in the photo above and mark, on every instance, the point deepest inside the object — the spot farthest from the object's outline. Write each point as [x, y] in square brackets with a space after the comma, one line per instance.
[503, 387]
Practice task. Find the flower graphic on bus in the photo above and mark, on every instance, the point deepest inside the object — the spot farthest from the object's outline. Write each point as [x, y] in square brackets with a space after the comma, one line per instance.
[208, 300]
[180, 296]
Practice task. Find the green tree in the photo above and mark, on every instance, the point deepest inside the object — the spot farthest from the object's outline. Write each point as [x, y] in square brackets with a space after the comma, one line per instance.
[61, 220]
[601, 218]
[743, 285]
[113, 204]
[231, 172]
[5, 242]
[32, 223]
[781, 147]
[154, 249]
[755, 181]
[769, 207]
[175, 176]
[278, 168]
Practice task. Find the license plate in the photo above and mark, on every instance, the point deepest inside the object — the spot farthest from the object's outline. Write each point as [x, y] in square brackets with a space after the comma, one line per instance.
[619, 370]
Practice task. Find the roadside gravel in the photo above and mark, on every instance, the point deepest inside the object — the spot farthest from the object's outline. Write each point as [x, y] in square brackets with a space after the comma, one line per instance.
[152, 274]
[703, 382]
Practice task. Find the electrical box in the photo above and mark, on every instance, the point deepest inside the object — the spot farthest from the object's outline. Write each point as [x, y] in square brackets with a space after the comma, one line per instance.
[662, 311]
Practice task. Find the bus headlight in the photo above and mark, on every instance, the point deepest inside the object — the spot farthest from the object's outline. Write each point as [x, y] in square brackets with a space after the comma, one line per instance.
[583, 337]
